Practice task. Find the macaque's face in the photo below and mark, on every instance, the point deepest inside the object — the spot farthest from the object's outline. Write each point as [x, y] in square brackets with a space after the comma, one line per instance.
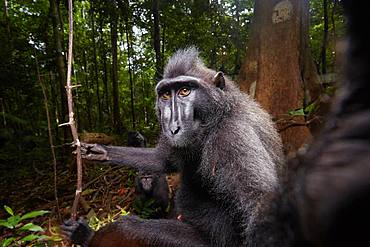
[177, 106]
[146, 182]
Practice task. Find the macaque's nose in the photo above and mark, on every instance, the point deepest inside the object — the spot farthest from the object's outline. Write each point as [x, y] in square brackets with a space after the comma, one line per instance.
[174, 130]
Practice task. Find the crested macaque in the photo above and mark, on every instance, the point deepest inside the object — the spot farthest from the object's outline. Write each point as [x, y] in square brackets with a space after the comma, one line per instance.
[225, 147]
[229, 155]
[152, 188]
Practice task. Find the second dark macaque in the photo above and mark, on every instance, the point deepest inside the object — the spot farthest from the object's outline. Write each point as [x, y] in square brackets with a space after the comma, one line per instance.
[152, 192]
[135, 139]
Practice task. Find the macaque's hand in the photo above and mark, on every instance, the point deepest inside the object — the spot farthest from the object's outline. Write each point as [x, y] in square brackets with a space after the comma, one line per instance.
[78, 232]
[94, 152]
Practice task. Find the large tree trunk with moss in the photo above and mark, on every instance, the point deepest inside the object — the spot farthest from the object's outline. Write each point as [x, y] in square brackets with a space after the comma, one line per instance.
[278, 71]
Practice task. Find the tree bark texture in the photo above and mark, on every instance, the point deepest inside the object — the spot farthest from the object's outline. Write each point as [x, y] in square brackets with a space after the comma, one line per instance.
[115, 93]
[278, 70]
[236, 37]
[325, 37]
[128, 31]
[103, 54]
[61, 65]
[95, 65]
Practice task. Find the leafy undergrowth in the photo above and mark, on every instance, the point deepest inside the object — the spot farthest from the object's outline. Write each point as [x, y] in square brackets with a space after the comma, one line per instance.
[24, 232]
[108, 193]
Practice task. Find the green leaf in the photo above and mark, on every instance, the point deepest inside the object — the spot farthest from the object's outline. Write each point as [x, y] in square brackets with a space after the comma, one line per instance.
[88, 192]
[30, 237]
[7, 241]
[31, 227]
[46, 237]
[14, 220]
[299, 112]
[311, 108]
[34, 214]
[9, 210]
[55, 238]
[6, 224]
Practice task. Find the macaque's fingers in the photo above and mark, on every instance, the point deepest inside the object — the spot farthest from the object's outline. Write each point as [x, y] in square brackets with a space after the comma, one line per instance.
[66, 231]
[97, 157]
[85, 147]
[84, 150]
[78, 232]
[97, 149]
[68, 227]
[93, 152]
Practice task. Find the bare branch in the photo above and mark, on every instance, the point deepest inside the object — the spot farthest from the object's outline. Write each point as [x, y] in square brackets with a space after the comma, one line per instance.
[71, 121]
[284, 124]
[50, 137]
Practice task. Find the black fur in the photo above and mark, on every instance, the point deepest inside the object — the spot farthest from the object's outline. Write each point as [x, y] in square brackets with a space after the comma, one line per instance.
[334, 182]
[153, 189]
[135, 139]
[78, 232]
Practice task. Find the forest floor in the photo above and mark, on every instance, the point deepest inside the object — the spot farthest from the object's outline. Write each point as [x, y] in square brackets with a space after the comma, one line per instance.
[108, 192]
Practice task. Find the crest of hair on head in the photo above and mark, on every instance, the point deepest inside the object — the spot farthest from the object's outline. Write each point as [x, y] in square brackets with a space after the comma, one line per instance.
[182, 63]
[187, 62]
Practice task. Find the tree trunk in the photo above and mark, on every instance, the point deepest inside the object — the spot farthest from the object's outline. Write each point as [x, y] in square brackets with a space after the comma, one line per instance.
[325, 37]
[54, 106]
[157, 40]
[95, 62]
[213, 9]
[7, 22]
[60, 65]
[128, 32]
[117, 123]
[279, 71]
[163, 38]
[103, 51]
[237, 41]
[59, 58]
[333, 10]
[105, 82]
[88, 96]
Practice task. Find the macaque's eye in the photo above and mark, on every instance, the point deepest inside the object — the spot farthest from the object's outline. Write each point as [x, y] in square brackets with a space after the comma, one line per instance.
[166, 95]
[183, 92]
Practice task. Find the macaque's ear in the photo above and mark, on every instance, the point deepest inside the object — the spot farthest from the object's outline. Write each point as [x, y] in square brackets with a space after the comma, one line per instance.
[219, 80]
